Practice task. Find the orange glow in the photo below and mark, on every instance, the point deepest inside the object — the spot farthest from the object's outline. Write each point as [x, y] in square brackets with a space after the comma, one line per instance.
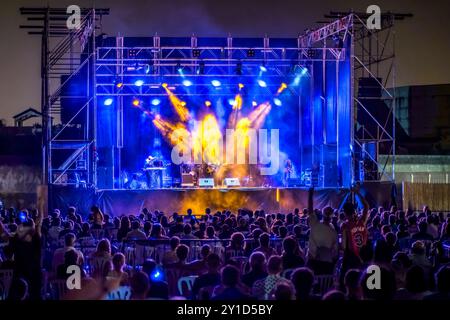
[282, 87]
[237, 102]
[136, 102]
[180, 106]
[207, 141]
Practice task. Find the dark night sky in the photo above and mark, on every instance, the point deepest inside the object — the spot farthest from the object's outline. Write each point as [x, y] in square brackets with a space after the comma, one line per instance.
[423, 42]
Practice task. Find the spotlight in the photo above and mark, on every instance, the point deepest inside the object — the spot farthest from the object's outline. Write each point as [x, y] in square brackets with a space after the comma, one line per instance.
[156, 102]
[262, 68]
[216, 83]
[179, 68]
[282, 87]
[187, 83]
[136, 102]
[240, 85]
[158, 117]
[304, 71]
[139, 83]
[231, 102]
[254, 103]
[119, 84]
[262, 83]
[164, 85]
[208, 103]
[277, 102]
[183, 103]
[108, 102]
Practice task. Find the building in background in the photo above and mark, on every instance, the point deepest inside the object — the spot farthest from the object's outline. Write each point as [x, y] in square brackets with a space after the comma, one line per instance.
[423, 155]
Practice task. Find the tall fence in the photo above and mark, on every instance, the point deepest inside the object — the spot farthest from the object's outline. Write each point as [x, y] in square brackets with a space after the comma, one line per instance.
[435, 195]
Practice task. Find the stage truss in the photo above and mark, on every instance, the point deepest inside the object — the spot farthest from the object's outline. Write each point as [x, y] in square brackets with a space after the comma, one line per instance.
[78, 49]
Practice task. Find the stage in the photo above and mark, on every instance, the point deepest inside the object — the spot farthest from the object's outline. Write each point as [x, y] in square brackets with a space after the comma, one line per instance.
[125, 202]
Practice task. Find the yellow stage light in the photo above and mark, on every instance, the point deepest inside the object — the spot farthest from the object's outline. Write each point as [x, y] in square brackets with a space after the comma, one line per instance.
[208, 103]
[281, 88]
[136, 102]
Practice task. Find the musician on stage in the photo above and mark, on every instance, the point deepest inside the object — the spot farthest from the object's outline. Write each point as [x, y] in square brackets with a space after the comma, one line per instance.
[288, 168]
[154, 177]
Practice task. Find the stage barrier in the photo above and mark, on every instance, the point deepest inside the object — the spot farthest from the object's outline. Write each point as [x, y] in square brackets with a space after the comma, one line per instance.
[273, 200]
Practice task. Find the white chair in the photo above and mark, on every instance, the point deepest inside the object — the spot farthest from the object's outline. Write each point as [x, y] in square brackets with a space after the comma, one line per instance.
[324, 283]
[58, 289]
[194, 253]
[242, 263]
[122, 293]
[287, 273]
[130, 256]
[97, 266]
[188, 282]
[97, 234]
[5, 283]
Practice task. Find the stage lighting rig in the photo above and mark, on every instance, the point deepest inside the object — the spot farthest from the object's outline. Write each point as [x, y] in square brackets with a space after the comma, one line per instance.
[250, 53]
[196, 53]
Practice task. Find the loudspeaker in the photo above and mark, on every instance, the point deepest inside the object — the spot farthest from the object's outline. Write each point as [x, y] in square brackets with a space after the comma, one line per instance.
[330, 174]
[187, 180]
[232, 182]
[105, 178]
[206, 182]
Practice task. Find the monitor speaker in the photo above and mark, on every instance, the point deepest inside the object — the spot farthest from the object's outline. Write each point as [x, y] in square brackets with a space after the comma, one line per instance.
[206, 182]
[232, 182]
[187, 180]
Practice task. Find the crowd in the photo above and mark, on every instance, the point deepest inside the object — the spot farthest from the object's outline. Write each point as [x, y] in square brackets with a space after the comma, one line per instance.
[307, 254]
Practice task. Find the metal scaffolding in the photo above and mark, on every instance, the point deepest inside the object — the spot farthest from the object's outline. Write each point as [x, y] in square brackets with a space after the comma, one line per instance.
[373, 78]
[68, 147]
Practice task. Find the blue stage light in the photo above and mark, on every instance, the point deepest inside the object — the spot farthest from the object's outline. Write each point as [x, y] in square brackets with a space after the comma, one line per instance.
[277, 102]
[216, 83]
[187, 83]
[304, 71]
[262, 83]
[156, 275]
[156, 102]
[262, 68]
[139, 83]
[108, 102]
